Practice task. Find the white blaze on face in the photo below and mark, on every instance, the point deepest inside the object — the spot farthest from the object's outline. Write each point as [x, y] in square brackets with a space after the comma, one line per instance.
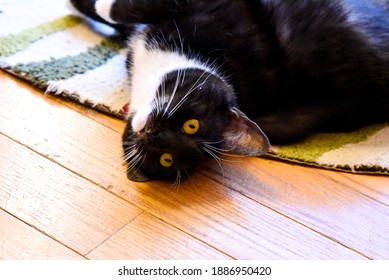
[151, 65]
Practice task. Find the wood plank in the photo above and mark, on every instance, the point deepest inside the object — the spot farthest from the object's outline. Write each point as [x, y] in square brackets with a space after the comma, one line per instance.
[15, 84]
[61, 134]
[375, 187]
[19, 241]
[49, 138]
[212, 213]
[234, 223]
[61, 204]
[148, 238]
[321, 199]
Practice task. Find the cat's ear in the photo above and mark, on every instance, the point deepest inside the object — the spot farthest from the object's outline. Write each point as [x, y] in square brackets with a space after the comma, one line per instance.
[243, 136]
[137, 176]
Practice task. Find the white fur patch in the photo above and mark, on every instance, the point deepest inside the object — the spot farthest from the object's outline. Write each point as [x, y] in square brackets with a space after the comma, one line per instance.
[151, 65]
[103, 9]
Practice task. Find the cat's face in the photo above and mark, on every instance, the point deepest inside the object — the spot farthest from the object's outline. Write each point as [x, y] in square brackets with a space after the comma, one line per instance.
[193, 117]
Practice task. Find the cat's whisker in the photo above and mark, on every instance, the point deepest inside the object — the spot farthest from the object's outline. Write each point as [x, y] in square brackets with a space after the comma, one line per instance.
[118, 160]
[179, 37]
[215, 157]
[177, 183]
[160, 98]
[190, 178]
[156, 108]
[192, 89]
[224, 152]
[219, 150]
[174, 92]
[131, 154]
[183, 77]
[130, 144]
[163, 86]
[131, 164]
[213, 142]
[133, 157]
[216, 66]
[143, 159]
[135, 163]
[130, 160]
[129, 150]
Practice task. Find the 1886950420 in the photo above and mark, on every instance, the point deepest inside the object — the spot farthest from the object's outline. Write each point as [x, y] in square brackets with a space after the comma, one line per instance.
[241, 270]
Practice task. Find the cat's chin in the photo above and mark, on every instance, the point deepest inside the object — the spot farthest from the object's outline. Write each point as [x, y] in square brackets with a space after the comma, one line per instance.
[138, 176]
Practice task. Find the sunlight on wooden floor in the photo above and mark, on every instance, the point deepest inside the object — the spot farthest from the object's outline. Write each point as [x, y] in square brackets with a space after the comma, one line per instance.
[64, 195]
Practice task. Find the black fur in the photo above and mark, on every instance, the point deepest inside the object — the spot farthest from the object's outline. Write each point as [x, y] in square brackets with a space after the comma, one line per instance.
[295, 67]
[166, 136]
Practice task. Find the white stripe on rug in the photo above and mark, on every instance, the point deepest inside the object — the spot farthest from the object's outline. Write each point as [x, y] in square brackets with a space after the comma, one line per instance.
[371, 152]
[29, 13]
[69, 42]
[107, 84]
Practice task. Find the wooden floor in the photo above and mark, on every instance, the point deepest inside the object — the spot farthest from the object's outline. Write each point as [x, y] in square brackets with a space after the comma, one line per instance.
[64, 195]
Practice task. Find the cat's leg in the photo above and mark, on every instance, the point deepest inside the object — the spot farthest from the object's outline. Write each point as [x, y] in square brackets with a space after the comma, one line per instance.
[87, 8]
[118, 12]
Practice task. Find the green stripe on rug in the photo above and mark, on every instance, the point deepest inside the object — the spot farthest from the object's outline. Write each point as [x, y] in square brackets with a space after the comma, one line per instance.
[39, 73]
[13, 43]
[314, 147]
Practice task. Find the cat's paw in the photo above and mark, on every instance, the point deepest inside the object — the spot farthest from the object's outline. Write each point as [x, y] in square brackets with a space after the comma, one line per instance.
[103, 9]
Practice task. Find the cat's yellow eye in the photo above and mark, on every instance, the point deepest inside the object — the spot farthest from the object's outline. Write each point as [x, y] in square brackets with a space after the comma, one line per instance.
[166, 160]
[191, 126]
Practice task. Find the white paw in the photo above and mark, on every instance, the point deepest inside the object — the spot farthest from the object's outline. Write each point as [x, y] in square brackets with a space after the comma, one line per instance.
[103, 9]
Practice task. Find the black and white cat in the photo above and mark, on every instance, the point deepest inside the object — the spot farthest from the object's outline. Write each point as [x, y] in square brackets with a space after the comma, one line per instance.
[223, 76]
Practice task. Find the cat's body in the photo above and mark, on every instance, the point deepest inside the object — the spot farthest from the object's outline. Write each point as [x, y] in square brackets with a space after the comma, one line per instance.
[293, 67]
